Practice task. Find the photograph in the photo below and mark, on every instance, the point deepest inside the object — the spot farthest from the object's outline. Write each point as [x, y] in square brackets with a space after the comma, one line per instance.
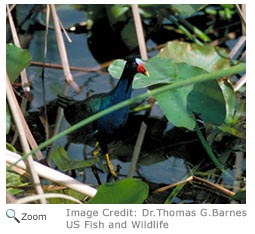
[126, 104]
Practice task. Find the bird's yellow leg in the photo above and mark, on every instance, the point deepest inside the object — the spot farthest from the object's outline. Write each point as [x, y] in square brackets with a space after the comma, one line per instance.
[95, 151]
[95, 154]
[108, 161]
[110, 165]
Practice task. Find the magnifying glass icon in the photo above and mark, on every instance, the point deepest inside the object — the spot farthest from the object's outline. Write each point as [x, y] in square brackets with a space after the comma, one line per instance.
[10, 213]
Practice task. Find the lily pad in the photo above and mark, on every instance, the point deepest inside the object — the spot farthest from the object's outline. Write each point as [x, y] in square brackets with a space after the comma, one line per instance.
[127, 191]
[207, 100]
[216, 102]
[174, 103]
[206, 57]
[64, 163]
[16, 60]
[116, 68]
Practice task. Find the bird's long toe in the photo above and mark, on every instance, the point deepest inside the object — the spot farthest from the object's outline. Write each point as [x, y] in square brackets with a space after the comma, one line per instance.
[110, 165]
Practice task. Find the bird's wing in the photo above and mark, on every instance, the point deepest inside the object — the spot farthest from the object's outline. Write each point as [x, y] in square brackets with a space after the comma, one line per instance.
[76, 111]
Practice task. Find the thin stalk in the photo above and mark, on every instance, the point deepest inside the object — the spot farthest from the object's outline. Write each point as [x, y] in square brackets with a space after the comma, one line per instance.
[23, 74]
[181, 83]
[139, 31]
[59, 117]
[240, 83]
[72, 68]
[236, 49]
[28, 133]
[175, 192]
[62, 49]
[64, 61]
[52, 175]
[209, 151]
[47, 134]
[144, 56]
[195, 30]
[184, 30]
[242, 14]
[201, 182]
[18, 116]
[238, 170]
[137, 150]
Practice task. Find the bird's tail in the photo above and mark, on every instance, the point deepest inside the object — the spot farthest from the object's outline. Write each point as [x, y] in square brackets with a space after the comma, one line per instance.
[64, 101]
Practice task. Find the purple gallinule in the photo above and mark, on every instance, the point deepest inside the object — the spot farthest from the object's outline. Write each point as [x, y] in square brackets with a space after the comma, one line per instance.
[104, 128]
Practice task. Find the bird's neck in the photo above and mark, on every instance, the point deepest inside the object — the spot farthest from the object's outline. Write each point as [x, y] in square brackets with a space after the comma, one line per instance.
[123, 89]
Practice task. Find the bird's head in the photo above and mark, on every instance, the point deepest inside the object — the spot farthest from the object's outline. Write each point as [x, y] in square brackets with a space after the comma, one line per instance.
[136, 65]
[132, 67]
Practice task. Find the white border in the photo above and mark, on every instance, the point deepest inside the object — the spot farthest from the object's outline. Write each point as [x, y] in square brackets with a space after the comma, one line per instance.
[56, 213]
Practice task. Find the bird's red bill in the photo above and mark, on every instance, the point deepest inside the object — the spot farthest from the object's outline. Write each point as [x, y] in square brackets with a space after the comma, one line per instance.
[141, 69]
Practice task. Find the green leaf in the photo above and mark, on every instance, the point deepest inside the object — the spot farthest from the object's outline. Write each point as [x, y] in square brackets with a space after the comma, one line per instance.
[121, 22]
[230, 99]
[14, 180]
[127, 191]
[117, 13]
[187, 9]
[116, 68]
[16, 60]
[207, 100]
[209, 151]
[128, 35]
[120, 15]
[161, 70]
[175, 103]
[240, 196]
[69, 192]
[206, 57]
[64, 163]
[10, 147]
